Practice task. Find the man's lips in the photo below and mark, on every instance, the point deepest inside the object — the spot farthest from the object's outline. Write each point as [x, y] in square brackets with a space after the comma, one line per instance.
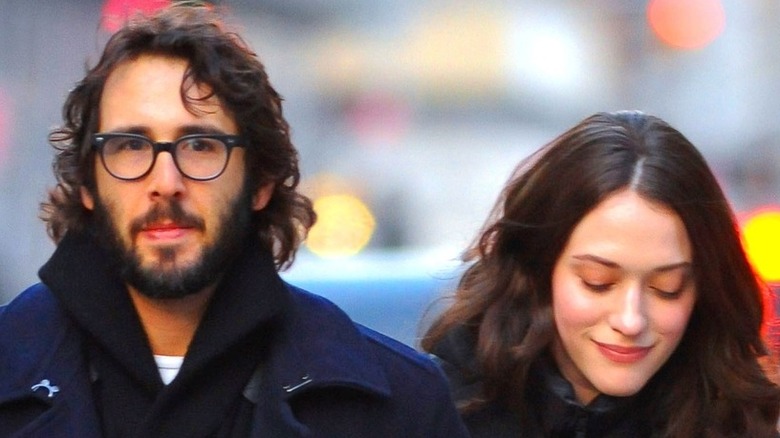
[623, 354]
[165, 231]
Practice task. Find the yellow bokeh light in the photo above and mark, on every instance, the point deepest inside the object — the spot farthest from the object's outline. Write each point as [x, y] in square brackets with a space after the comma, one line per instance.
[761, 233]
[344, 226]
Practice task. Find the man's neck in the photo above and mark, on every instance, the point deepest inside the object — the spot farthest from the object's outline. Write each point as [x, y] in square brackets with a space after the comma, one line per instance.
[170, 324]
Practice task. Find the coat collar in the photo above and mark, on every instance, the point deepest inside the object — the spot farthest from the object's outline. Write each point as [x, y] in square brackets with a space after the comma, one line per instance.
[322, 347]
[559, 412]
[319, 348]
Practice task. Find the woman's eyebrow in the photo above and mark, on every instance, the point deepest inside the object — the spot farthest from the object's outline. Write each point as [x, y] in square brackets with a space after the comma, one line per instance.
[596, 259]
[673, 266]
[611, 264]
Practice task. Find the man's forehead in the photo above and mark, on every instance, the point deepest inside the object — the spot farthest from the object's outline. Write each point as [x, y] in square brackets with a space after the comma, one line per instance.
[156, 92]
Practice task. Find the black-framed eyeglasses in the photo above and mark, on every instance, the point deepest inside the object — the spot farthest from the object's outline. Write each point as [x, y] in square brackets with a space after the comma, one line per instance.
[200, 157]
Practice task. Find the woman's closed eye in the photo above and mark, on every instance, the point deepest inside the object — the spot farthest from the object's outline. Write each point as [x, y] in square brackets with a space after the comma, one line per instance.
[597, 286]
[670, 292]
[670, 284]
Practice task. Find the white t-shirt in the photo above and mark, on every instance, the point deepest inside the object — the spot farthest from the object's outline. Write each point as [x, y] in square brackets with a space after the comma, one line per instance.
[168, 366]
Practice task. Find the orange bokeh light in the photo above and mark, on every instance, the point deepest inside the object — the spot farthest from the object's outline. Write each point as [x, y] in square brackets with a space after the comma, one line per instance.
[686, 24]
[344, 226]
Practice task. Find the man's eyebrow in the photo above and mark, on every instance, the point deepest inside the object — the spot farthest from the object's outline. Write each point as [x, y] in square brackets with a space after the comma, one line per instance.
[130, 129]
[181, 131]
[611, 264]
[200, 129]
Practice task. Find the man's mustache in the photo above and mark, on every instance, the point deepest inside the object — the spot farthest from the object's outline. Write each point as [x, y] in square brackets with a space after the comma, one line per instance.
[172, 212]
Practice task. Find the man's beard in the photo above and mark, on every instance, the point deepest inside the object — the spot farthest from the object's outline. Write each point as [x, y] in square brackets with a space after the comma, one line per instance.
[160, 281]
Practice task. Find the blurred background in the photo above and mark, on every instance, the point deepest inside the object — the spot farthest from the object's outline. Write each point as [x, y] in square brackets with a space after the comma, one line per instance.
[410, 115]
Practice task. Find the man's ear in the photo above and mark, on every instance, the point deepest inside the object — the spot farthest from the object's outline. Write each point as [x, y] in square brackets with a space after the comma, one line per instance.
[86, 198]
[262, 196]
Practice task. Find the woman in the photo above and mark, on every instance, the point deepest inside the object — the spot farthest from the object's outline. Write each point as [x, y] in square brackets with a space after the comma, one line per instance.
[609, 295]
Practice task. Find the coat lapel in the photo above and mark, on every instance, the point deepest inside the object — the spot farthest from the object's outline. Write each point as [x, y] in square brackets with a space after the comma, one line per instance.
[42, 365]
[318, 348]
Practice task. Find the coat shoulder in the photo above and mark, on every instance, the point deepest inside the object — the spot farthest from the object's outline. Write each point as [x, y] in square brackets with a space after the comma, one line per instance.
[36, 299]
[32, 327]
[409, 393]
[393, 349]
[320, 310]
[33, 320]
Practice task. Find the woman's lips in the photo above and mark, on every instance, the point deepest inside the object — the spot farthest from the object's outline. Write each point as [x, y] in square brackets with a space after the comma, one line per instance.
[623, 354]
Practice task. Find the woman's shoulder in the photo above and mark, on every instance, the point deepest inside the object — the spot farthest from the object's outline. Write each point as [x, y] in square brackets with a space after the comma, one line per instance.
[455, 354]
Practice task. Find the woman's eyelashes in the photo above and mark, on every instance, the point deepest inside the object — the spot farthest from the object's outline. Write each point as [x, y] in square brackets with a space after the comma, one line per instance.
[671, 290]
[597, 286]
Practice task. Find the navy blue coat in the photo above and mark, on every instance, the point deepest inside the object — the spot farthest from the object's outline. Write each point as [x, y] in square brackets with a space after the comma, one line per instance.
[300, 393]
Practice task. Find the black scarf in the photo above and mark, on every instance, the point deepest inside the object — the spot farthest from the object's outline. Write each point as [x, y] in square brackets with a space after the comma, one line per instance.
[231, 341]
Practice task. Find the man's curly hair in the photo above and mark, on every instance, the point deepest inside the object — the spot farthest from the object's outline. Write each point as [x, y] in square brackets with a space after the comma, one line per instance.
[219, 59]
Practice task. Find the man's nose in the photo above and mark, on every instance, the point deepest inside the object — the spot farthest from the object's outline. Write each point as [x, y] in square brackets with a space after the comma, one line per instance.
[165, 179]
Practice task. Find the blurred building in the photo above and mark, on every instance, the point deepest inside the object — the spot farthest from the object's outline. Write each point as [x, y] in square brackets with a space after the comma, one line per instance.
[410, 115]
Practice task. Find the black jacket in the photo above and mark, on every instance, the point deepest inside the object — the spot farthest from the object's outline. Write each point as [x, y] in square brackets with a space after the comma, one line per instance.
[320, 374]
[552, 408]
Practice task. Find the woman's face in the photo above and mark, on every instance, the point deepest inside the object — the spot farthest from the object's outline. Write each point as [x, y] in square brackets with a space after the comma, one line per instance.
[623, 292]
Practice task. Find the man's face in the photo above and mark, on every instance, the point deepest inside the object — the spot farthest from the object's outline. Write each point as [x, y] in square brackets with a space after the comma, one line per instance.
[175, 235]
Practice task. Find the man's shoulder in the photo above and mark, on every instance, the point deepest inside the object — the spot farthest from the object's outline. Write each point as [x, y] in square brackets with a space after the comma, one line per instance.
[37, 304]
[413, 392]
[326, 310]
[32, 327]
[396, 350]
[325, 313]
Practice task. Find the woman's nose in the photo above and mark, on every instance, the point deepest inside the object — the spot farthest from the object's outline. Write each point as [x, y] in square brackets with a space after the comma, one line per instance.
[629, 315]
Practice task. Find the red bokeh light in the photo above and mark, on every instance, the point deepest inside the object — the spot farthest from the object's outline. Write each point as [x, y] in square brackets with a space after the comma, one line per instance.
[116, 12]
[686, 24]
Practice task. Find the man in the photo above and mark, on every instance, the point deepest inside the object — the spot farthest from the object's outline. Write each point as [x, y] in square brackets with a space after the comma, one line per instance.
[161, 313]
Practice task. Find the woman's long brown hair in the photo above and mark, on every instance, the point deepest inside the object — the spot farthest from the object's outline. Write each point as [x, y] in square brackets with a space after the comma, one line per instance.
[713, 385]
